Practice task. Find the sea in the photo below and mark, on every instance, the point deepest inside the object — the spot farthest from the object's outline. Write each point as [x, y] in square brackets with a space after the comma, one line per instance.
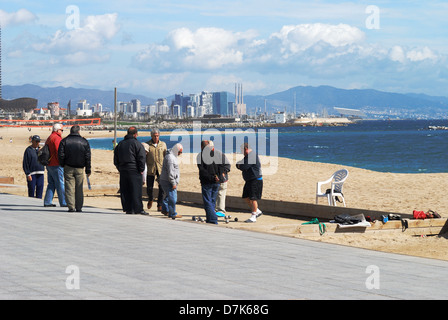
[397, 146]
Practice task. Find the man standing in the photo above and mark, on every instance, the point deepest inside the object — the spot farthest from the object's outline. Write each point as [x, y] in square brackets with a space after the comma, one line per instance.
[154, 163]
[169, 180]
[34, 171]
[55, 173]
[129, 159]
[223, 169]
[74, 155]
[209, 178]
[251, 168]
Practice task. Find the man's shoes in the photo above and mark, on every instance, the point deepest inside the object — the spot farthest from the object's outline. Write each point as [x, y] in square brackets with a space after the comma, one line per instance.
[252, 219]
[143, 212]
[159, 208]
[129, 212]
[164, 213]
[259, 213]
[177, 216]
[71, 210]
[50, 205]
[149, 205]
[78, 210]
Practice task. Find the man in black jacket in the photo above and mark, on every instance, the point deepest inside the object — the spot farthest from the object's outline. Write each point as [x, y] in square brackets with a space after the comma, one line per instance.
[130, 159]
[210, 163]
[74, 155]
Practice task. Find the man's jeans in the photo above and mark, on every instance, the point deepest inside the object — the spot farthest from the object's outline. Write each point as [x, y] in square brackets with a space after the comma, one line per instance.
[55, 176]
[209, 194]
[169, 198]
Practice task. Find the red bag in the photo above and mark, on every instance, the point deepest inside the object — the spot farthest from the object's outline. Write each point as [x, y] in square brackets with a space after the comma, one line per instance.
[419, 214]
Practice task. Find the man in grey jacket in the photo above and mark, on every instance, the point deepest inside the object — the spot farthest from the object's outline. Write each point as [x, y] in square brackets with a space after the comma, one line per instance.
[169, 180]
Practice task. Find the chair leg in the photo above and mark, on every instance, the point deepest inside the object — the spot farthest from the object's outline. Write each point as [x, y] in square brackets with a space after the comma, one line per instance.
[329, 200]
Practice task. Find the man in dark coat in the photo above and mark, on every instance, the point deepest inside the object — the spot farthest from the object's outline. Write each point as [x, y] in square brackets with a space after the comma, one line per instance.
[130, 159]
[75, 156]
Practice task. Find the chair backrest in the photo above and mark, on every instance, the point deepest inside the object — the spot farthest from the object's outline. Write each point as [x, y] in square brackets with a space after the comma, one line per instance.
[339, 178]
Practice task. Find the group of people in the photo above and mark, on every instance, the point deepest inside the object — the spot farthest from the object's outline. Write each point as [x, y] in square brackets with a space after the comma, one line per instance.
[139, 164]
[151, 161]
[69, 158]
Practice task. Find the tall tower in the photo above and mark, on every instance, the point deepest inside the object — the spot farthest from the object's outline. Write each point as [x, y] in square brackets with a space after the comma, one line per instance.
[239, 100]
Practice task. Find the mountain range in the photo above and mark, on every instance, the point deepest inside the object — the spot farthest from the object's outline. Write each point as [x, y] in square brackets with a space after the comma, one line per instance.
[302, 98]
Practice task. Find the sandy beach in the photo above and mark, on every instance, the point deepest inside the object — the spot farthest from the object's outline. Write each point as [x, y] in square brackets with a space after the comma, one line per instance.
[293, 181]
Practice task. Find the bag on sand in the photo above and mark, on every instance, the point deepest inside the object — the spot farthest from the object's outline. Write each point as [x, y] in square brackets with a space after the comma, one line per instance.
[419, 214]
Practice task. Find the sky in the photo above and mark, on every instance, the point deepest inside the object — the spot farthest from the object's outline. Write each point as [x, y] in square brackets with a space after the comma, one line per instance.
[158, 48]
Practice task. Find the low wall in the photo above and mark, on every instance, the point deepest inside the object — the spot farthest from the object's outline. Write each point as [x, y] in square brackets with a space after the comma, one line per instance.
[272, 207]
[293, 209]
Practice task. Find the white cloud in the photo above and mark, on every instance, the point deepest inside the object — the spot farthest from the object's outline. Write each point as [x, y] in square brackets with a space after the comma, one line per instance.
[92, 35]
[16, 18]
[295, 38]
[421, 54]
[203, 49]
[397, 54]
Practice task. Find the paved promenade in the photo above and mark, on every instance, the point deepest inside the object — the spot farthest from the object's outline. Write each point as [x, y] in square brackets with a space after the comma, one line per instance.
[48, 253]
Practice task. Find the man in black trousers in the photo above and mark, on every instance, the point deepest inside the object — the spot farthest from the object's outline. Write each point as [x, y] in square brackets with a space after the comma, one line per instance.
[129, 159]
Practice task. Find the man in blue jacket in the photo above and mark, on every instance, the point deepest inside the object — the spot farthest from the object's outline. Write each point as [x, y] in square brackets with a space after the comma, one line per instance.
[34, 171]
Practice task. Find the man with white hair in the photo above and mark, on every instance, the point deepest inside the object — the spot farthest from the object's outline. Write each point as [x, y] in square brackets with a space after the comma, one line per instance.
[169, 180]
[55, 173]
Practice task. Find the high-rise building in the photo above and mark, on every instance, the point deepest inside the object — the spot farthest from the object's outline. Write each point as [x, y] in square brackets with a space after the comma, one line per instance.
[220, 103]
[136, 105]
[207, 102]
[162, 107]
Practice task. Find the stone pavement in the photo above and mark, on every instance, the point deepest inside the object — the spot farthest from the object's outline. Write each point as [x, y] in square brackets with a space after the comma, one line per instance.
[48, 253]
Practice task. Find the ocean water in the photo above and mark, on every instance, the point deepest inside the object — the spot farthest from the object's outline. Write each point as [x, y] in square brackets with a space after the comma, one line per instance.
[399, 146]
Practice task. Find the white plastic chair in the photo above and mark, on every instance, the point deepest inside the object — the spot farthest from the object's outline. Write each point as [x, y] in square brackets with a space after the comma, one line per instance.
[337, 181]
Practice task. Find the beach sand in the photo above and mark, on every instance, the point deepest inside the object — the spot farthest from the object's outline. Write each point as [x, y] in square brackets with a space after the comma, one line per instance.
[293, 180]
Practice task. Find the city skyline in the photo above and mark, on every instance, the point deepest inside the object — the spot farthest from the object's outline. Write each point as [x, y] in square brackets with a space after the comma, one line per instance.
[156, 49]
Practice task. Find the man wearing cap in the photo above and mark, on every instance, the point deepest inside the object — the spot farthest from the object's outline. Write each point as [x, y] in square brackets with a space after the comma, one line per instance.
[75, 157]
[55, 171]
[34, 171]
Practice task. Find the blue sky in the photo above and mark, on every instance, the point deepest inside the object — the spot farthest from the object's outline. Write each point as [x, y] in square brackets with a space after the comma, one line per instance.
[158, 48]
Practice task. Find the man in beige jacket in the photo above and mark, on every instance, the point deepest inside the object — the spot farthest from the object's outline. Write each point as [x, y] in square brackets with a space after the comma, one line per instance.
[154, 162]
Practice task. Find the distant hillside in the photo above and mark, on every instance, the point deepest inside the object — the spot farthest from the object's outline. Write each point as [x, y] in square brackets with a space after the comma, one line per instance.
[307, 99]
[64, 95]
[314, 99]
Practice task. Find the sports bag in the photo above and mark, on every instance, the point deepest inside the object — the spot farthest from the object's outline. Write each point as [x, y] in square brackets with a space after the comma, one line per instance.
[43, 155]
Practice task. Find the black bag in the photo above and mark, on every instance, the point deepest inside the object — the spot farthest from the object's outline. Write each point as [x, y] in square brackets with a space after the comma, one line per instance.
[43, 155]
[346, 219]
